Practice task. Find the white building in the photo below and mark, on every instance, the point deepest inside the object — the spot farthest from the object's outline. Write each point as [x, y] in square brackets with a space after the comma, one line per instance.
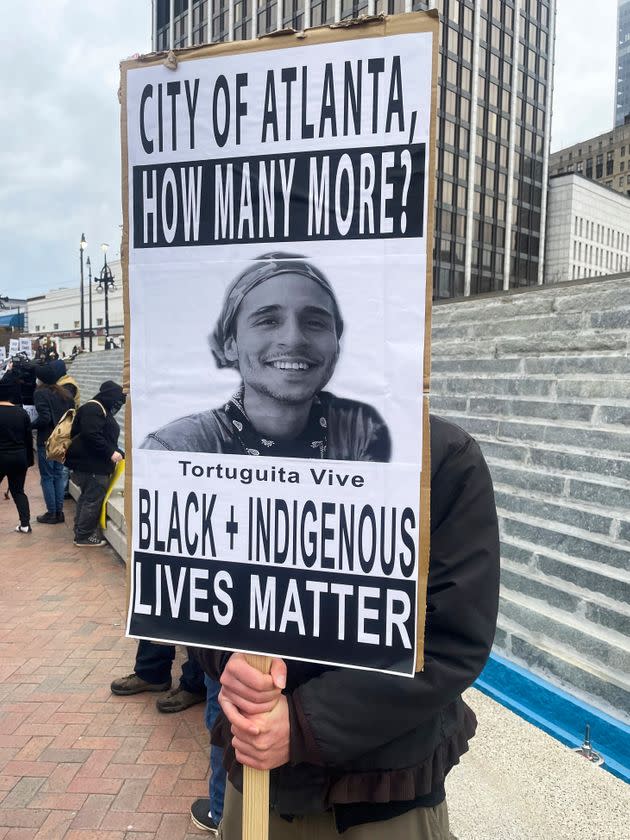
[588, 229]
[58, 314]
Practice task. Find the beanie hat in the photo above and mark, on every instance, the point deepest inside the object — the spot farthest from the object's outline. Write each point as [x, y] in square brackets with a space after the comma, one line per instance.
[51, 372]
[10, 390]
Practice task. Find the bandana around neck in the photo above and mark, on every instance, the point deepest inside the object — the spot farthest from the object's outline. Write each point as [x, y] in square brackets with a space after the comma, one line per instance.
[311, 443]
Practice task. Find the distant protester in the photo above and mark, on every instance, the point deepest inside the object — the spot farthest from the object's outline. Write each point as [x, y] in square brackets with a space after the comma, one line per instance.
[16, 447]
[93, 455]
[51, 403]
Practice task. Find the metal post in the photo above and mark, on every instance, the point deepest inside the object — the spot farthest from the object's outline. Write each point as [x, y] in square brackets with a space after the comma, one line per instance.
[106, 274]
[89, 266]
[82, 245]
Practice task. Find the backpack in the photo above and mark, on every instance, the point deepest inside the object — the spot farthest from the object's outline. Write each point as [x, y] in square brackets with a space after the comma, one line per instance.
[60, 438]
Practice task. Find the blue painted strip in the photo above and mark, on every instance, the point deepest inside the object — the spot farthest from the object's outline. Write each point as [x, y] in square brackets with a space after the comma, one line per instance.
[556, 712]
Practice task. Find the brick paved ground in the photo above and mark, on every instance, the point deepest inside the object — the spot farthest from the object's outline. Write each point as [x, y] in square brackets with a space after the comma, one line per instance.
[75, 761]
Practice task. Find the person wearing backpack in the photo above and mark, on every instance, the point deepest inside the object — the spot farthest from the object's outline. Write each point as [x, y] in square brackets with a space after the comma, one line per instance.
[92, 456]
[51, 403]
[16, 447]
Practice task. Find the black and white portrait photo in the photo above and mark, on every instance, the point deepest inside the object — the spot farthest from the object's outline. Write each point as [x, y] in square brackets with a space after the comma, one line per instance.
[281, 328]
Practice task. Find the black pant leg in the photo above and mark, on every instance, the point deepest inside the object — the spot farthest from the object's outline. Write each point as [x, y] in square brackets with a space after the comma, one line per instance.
[17, 478]
[93, 490]
[153, 661]
[192, 676]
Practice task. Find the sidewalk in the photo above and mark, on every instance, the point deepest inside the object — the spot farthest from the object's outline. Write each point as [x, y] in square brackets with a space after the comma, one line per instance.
[75, 761]
[80, 764]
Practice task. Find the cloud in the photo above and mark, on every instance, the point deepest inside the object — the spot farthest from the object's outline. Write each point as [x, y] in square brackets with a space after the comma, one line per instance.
[584, 89]
[60, 151]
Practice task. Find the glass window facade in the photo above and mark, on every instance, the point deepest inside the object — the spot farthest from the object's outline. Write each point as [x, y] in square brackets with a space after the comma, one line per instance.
[622, 93]
[503, 160]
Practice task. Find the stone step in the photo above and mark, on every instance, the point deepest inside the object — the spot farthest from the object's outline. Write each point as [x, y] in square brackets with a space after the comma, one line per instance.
[585, 574]
[546, 507]
[607, 647]
[554, 342]
[489, 328]
[506, 322]
[560, 366]
[616, 388]
[576, 437]
[490, 367]
[563, 595]
[608, 293]
[599, 415]
[544, 409]
[603, 494]
[609, 394]
[503, 385]
[565, 462]
[573, 542]
[548, 365]
[566, 667]
[611, 295]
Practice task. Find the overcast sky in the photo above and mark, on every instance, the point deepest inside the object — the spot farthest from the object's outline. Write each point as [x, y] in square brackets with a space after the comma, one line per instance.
[60, 141]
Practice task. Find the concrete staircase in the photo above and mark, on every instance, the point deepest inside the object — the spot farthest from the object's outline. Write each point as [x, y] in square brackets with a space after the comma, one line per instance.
[542, 379]
[90, 370]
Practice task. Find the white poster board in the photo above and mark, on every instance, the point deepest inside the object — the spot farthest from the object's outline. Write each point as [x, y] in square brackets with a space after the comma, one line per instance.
[278, 233]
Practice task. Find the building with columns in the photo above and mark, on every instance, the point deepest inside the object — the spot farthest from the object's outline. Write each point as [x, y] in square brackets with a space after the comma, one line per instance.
[494, 112]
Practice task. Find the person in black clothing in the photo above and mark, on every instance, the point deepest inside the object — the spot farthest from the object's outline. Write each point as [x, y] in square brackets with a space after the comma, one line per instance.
[51, 402]
[16, 447]
[366, 752]
[93, 455]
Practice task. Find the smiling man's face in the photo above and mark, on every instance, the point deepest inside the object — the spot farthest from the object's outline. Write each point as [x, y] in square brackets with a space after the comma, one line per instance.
[285, 339]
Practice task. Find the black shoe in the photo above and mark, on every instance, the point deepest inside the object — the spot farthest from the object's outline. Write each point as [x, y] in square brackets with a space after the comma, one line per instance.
[91, 542]
[48, 518]
[60, 516]
[133, 684]
[200, 815]
[178, 699]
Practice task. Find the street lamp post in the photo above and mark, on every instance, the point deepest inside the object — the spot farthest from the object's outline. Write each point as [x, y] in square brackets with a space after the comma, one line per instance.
[105, 282]
[89, 268]
[82, 247]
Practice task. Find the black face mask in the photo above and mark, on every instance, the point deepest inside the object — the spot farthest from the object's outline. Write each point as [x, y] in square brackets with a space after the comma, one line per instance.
[116, 407]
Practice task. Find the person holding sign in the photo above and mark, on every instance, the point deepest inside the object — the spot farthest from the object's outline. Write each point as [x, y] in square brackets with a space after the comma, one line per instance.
[280, 327]
[351, 749]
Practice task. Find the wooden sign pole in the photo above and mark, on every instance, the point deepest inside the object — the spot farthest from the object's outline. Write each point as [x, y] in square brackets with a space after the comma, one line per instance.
[256, 782]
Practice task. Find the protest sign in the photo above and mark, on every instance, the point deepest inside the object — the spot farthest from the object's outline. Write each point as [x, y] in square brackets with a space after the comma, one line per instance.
[278, 201]
[3, 355]
[14, 346]
[26, 346]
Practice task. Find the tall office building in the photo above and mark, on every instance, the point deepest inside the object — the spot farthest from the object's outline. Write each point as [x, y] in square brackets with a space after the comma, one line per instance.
[622, 92]
[494, 112]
